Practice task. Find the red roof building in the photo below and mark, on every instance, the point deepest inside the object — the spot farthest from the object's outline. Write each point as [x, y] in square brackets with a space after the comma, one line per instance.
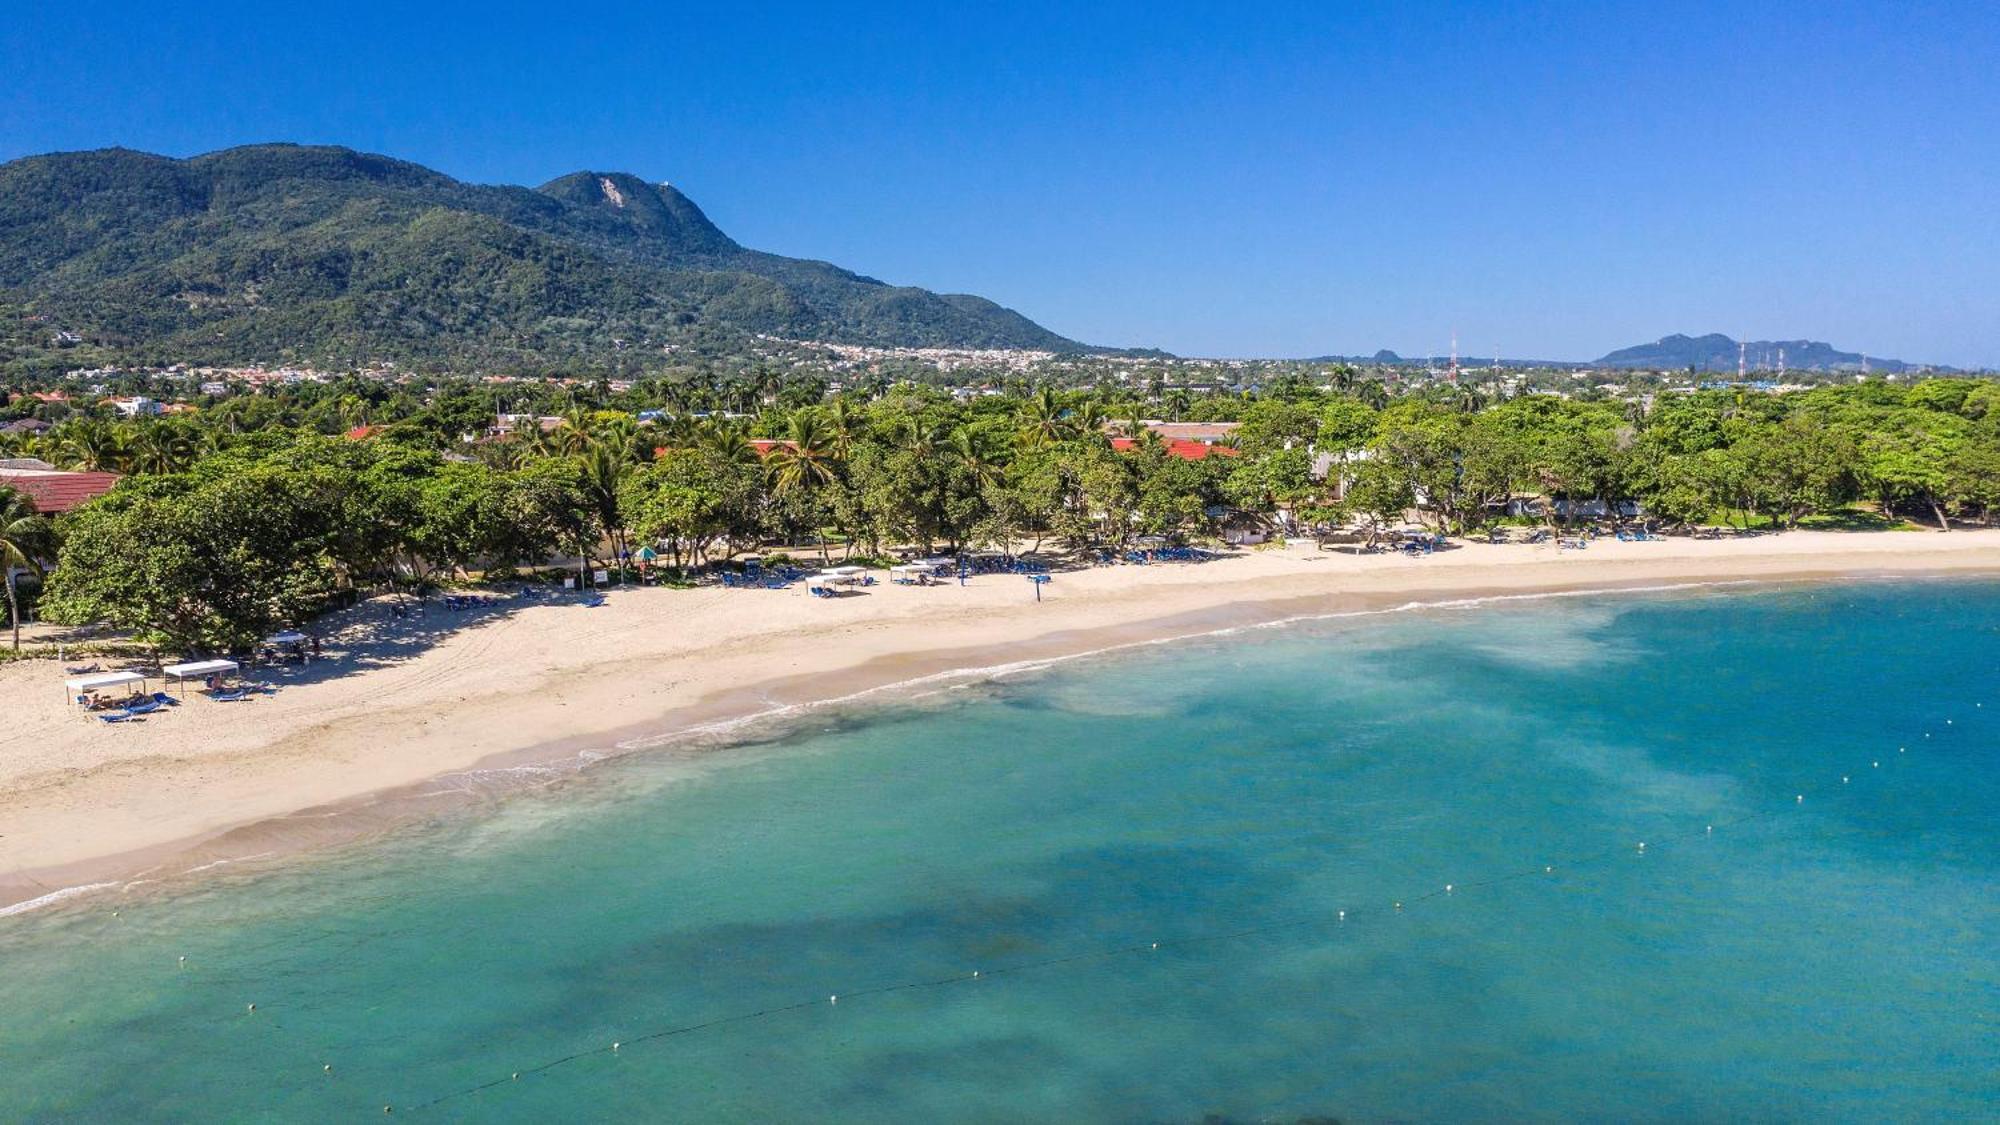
[1185, 450]
[53, 491]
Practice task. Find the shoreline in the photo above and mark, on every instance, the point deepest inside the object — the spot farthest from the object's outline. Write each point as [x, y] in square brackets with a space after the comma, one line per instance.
[324, 764]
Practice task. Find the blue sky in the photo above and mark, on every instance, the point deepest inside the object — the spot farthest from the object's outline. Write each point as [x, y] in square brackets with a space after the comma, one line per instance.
[1267, 179]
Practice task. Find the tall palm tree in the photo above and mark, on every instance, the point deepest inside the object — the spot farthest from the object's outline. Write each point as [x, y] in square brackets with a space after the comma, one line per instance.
[1042, 419]
[1087, 420]
[725, 440]
[843, 426]
[620, 435]
[163, 447]
[24, 537]
[968, 445]
[604, 473]
[922, 438]
[804, 460]
[92, 445]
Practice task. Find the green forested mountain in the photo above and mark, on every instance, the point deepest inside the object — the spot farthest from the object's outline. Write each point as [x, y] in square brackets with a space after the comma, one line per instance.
[1716, 352]
[326, 255]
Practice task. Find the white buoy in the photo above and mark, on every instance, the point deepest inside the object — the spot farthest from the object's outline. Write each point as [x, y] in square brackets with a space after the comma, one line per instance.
[1843, 779]
[183, 959]
[328, 1068]
[1711, 829]
[1156, 945]
[253, 1007]
[975, 974]
[1549, 870]
[833, 999]
[615, 1046]
[1447, 886]
[1802, 798]
[1399, 906]
[1642, 845]
[1875, 765]
[1343, 915]
[517, 1076]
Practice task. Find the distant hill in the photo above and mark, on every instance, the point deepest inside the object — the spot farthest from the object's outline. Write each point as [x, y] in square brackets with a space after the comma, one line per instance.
[320, 254]
[1716, 352]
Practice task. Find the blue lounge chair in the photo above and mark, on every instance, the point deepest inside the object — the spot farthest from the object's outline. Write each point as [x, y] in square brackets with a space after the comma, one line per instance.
[232, 695]
[145, 707]
[165, 700]
[118, 716]
[594, 602]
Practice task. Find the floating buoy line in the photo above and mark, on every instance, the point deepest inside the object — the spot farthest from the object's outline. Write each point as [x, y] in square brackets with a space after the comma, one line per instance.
[1388, 908]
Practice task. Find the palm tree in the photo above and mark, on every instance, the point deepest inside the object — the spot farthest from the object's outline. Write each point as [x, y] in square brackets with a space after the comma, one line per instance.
[804, 460]
[24, 536]
[604, 473]
[620, 435]
[843, 426]
[922, 438]
[726, 442]
[92, 445]
[1373, 394]
[1468, 398]
[968, 445]
[163, 447]
[1087, 421]
[1042, 419]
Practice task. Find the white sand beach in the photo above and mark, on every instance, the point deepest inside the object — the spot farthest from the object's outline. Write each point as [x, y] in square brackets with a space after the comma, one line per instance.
[399, 701]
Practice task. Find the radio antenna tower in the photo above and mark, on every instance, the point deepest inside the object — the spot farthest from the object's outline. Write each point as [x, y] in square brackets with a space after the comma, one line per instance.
[1741, 347]
[1781, 365]
[1453, 371]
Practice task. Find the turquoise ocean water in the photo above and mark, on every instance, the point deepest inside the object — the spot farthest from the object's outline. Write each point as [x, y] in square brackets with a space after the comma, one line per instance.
[1227, 798]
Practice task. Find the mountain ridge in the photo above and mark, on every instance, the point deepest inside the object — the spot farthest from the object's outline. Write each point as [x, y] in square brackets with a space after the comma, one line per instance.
[1717, 352]
[323, 252]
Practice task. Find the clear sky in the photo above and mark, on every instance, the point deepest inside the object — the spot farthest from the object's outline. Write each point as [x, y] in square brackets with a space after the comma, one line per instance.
[1231, 179]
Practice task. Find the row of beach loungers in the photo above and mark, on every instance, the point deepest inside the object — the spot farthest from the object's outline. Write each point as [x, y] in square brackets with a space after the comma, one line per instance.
[139, 707]
[1166, 554]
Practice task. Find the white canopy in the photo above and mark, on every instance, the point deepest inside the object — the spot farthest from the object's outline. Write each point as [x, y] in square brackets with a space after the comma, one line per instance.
[913, 568]
[102, 680]
[289, 637]
[197, 669]
[940, 561]
[845, 571]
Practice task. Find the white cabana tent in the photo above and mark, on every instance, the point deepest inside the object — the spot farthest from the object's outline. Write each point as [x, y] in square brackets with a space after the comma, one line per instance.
[98, 681]
[912, 572]
[198, 669]
[845, 571]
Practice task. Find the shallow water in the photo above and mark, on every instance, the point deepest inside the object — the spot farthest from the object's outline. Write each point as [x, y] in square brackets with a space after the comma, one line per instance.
[1227, 798]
